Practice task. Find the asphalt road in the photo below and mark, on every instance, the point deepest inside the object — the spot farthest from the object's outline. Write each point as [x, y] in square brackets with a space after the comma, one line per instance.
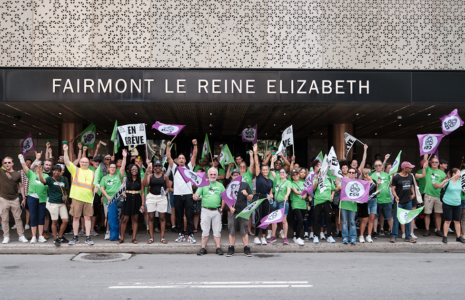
[266, 276]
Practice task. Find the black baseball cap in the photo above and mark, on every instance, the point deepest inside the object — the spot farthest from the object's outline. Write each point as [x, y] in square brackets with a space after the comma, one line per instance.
[157, 163]
[235, 171]
[443, 161]
[97, 159]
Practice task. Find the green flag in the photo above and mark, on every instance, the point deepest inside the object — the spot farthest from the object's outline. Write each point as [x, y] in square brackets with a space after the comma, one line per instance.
[246, 212]
[406, 216]
[98, 175]
[206, 147]
[115, 138]
[165, 158]
[395, 164]
[88, 136]
[320, 157]
[226, 157]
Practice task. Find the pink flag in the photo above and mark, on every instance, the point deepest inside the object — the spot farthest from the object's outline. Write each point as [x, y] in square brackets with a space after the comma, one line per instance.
[168, 129]
[355, 190]
[451, 122]
[308, 184]
[197, 179]
[429, 143]
[275, 217]
[230, 194]
[249, 134]
[27, 145]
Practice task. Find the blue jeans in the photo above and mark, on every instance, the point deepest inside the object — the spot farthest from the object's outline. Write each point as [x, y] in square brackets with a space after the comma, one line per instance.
[395, 227]
[278, 205]
[349, 230]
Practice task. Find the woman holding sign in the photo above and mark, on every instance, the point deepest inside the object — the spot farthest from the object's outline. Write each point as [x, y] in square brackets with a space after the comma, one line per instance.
[282, 192]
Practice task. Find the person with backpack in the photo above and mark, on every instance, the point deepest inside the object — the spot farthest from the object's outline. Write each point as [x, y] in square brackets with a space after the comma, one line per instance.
[450, 196]
[109, 185]
[156, 198]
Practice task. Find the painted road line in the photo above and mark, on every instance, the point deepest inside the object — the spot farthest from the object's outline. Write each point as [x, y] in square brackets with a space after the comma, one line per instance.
[209, 286]
[246, 282]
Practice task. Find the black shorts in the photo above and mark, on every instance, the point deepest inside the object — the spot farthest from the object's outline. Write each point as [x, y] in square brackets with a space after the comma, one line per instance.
[97, 204]
[451, 213]
[362, 209]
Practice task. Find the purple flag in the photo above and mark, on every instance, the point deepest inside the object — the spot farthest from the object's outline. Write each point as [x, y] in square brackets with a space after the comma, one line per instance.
[451, 122]
[308, 184]
[27, 145]
[275, 217]
[429, 143]
[249, 134]
[168, 129]
[230, 194]
[436, 154]
[197, 179]
[355, 190]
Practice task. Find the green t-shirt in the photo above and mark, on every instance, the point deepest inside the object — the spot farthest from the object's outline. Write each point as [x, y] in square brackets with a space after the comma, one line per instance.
[56, 189]
[296, 200]
[433, 176]
[276, 179]
[349, 205]
[453, 193]
[384, 196]
[37, 187]
[421, 182]
[247, 177]
[221, 172]
[111, 185]
[91, 168]
[282, 187]
[211, 197]
[326, 195]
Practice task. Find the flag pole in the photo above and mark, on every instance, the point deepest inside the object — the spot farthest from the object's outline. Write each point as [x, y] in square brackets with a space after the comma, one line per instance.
[174, 138]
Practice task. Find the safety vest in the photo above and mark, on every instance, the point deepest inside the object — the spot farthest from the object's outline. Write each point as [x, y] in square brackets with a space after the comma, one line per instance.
[77, 183]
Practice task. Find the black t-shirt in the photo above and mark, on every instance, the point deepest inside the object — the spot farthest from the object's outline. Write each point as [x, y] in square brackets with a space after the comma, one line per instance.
[263, 185]
[403, 187]
[241, 202]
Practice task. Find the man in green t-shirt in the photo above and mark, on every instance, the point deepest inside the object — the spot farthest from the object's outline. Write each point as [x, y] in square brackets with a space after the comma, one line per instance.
[212, 208]
[221, 172]
[434, 176]
[384, 199]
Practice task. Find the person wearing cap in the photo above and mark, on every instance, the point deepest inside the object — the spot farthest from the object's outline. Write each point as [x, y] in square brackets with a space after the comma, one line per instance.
[299, 205]
[156, 198]
[403, 190]
[434, 177]
[212, 208]
[244, 194]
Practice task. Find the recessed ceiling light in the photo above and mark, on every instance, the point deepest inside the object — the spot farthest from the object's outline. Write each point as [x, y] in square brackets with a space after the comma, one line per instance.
[274, 124]
[210, 133]
[211, 114]
[356, 114]
[399, 117]
[266, 133]
[59, 114]
[154, 133]
[284, 113]
[400, 124]
[429, 115]
[14, 124]
[136, 114]
[40, 133]
[321, 133]
[105, 130]
[376, 133]
[97, 133]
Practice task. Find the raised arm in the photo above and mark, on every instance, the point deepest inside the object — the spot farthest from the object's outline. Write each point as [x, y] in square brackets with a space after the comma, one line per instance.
[292, 162]
[148, 174]
[41, 176]
[48, 152]
[228, 171]
[267, 159]
[65, 155]
[251, 165]
[273, 172]
[123, 164]
[364, 159]
[194, 152]
[23, 164]
[96, 149]
[79, 154]
[168, 154]
[255, 154]
[286, 162]
[423, 174]
[386, 157]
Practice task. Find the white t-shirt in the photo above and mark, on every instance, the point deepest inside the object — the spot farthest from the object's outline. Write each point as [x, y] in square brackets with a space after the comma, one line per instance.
[179, 185]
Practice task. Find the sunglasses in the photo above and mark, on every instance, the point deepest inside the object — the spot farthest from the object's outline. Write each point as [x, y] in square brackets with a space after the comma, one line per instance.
[378, 165]
[351, 172]
[434, 162]
[8, 162]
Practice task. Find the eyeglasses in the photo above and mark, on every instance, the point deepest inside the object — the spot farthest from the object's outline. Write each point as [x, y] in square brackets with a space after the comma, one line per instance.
[434, 162]
[378, 165]
[351, 172]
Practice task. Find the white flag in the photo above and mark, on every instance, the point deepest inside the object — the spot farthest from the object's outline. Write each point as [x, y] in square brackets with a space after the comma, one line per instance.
[462, 180]
[323, 172]
[350, 141]
[288, 137]
[334, 163]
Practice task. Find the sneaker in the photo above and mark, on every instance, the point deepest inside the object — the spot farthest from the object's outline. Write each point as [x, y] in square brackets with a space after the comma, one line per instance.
[256, 241]
[345, 241]
[269, 235]
[230, 251]
[426, 233]
[315, 240]
[272, 240]
[202, 251]
[322, 236]
[300, 242]
[295, 240]
[460, 239]
[57, 242]
[93, 232]
[264, 242]
[413, 235]
[375, 235]
[352, 242]
[181, 238]
[369, 240]
[285, 241]
[63, 240]
[74, 241]
[281, 234]
[219, 251]
[23, 239]
[173, 229]
[191, 239]
[6, 240]
[381, 232]
[415, 226]
[82, 233]
[42, 239]
[392, 240]
[311, 236]
[27, 227]
[14, 227]
[450, 230]
[70, 233]
[331, 239]
[361, 239]
[403, 235]
[306, 237]
[89, 241]
[247, 251]
[107, 235]
[444, 240]
[33, 240]
[413, 241]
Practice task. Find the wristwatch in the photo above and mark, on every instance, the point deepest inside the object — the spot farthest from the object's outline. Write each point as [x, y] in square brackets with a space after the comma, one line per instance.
[272, 169]
[194, 144]
[220, 209]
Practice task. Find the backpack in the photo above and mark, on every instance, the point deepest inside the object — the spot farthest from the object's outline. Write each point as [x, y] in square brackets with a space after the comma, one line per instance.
[443, 191]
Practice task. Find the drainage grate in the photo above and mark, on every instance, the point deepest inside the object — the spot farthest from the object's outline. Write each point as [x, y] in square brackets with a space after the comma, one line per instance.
[102, 257]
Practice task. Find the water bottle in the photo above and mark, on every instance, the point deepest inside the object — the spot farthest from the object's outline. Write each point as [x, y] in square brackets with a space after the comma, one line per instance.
[162, 192]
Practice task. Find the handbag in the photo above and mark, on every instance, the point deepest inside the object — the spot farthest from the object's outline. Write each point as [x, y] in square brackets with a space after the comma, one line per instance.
[417, 191]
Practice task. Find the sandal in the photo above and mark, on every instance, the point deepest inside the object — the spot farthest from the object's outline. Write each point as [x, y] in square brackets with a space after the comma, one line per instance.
[163, 241]
[134, 241]
[150, 241]
[195, 230]
[119, 242]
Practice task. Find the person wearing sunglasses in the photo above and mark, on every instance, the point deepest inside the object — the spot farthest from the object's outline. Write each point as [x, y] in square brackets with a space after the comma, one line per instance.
[348, 211]
[281, 196]
[382, 179]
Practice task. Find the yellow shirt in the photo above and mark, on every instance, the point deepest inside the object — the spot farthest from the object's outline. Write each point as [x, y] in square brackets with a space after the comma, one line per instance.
[81, 185]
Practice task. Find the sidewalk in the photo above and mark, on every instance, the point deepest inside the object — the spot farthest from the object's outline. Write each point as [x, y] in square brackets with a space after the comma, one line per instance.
[424, 245]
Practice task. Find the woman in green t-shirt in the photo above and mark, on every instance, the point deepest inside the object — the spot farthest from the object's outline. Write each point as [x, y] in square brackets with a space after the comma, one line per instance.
[299, 205]
[322, 203]
[348, 211]
[281, 196]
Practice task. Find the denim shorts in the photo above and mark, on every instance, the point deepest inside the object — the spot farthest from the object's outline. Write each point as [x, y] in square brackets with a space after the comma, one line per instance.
[278, 205]
[171, 200]
[372, 206]
[386, 209]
